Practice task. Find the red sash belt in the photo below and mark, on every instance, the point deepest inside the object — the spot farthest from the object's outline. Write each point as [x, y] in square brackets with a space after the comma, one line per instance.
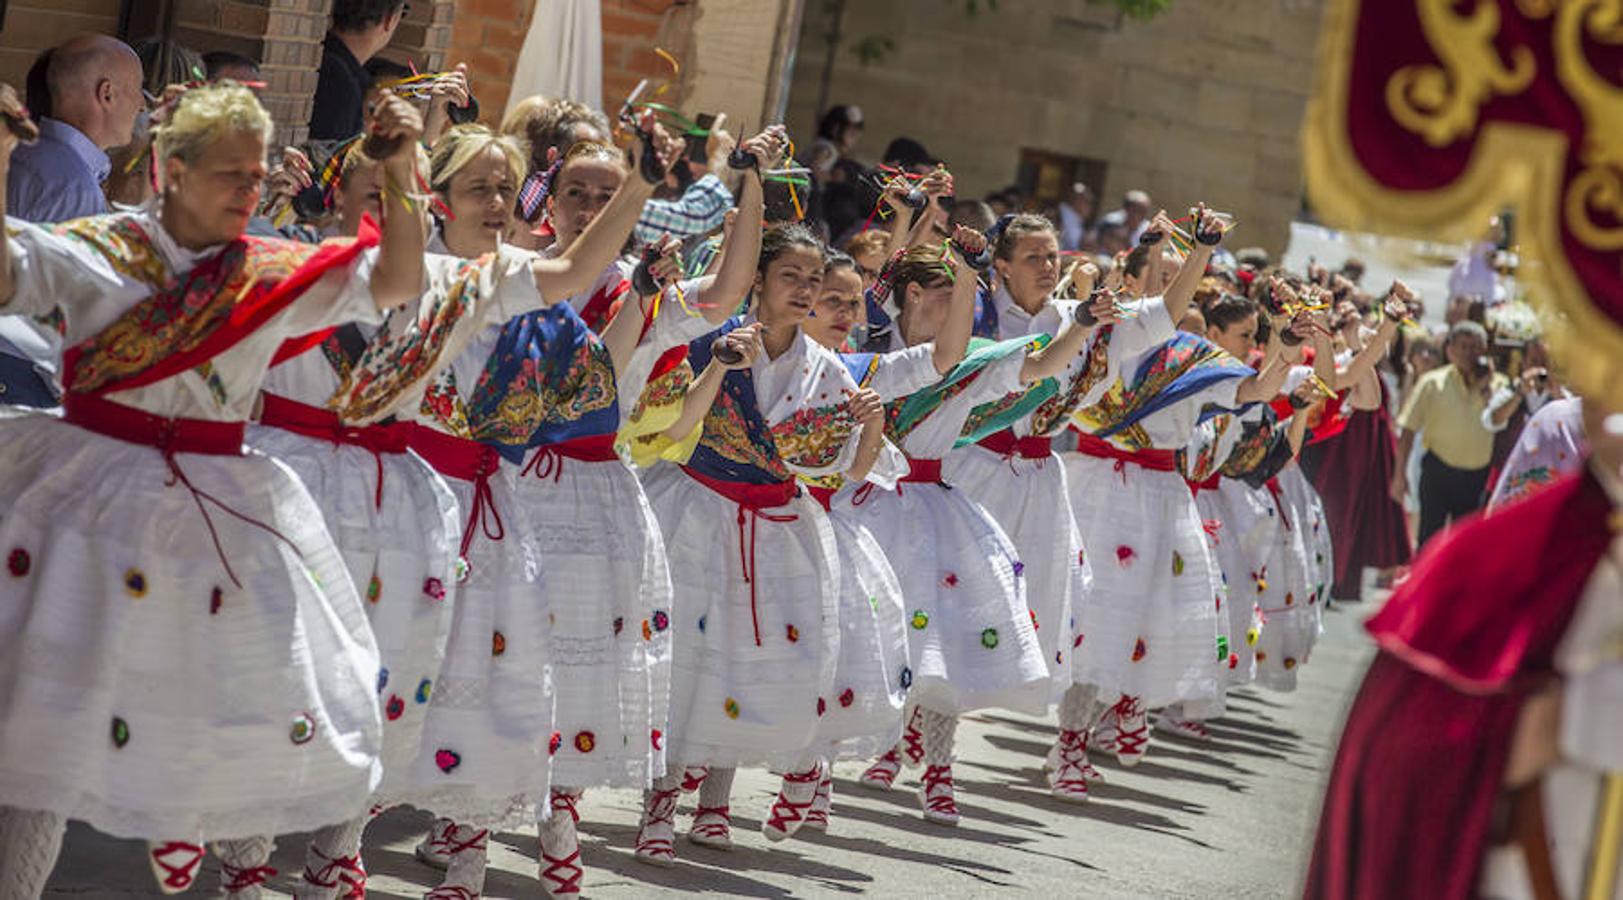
[1152, 459]
[919, 471]
[548, 459]
[324, 425]
[170, 437]
[1005, 443]
[753, 500]
[825, 496]
[1210, 484]
[465, 460]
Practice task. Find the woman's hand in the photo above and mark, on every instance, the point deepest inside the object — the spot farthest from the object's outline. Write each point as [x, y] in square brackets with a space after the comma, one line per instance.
[396, 126]
[738, 348]
[12, 110]
[292, 175]
[866, 408]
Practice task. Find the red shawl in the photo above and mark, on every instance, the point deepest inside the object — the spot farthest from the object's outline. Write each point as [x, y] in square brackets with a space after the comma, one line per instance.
[1464, 641]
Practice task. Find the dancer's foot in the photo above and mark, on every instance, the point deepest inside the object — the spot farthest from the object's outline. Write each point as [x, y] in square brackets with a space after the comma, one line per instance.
[1069, 780]
[1178, 726]
[559, 858]
[794, 799]
[912, 744]
[175, 864]
[432, 849]
[712, 827]
[936, 796]
[656, 837]
[1132, 731]
[693, 777]
[882, 774]
[817, 816]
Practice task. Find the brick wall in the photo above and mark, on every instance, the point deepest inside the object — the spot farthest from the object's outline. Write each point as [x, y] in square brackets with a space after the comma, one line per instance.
[1204, 102]
[33, 25]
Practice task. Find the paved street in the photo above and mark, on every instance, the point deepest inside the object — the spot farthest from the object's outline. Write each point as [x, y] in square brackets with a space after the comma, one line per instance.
[1228, 818]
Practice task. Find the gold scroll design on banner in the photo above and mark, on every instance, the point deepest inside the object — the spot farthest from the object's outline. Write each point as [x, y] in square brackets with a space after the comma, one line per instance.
[1599, 186]
[1511, 164]
[1441, 103]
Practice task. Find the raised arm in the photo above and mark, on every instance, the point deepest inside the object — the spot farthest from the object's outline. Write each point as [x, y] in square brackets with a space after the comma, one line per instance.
[742, 249]
[397, 278]
[1052, 360]
[952, 341]
[624, 331]
[1369, 356]
[869, 411]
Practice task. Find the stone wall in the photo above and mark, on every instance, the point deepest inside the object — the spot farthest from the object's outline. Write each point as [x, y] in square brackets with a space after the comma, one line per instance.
[1202, 103]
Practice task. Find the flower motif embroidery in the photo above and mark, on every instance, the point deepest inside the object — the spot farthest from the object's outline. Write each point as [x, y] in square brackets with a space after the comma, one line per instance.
[1020, 567]
[1059, 657]
[1260, 578]
[461, 569]
[1290, 663]
[1034, 625]
[554, 742]
[662, 620]
[950, 579]
[1139, 650]
[921, 620]
[793, 634]
[906, 680]
[1222, 647]
[847, 697]
[135, 582]
[585, 741]
[1252, 634]
[1290, 599]
[121, 732]
[374, 589]
[822, 706]
[701, 624]
[304, 728]
[1078, 642]
[383, 677]
[989, 638]
[447, 760]
[1177, 563]
[657, 739]
[619, 625]
[434, 588]
[216, 600]
[1234, 660]
[395, 708]
[424, 687]
[1081, 557]
[1261, 656]
[731, 708]
[498, 643]
[1125, 554]
[18, 563]
[647, 631]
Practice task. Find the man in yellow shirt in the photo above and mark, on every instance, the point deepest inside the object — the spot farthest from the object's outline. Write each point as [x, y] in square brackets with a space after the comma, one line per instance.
[1445, 408]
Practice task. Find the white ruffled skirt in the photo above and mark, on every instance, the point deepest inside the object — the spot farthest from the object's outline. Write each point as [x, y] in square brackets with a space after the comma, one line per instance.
[1241, 540]
[141, 690]
[1027, 499]
[609, 589]
[970, 639]
[401, 555]
[1290, 603]
[754, 659]
[1151, 624]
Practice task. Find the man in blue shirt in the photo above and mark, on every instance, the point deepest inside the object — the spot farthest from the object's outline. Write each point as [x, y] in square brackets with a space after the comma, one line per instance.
[94, 84]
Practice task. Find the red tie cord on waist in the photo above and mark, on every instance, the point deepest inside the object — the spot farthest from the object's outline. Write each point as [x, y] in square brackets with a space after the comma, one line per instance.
[465, 460]
[753, 500]
[325, 425]
[1152, 459]
[170, 437]
[548, 459]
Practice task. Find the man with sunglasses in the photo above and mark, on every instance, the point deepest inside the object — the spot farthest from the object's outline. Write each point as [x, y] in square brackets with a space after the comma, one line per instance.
[94, 87]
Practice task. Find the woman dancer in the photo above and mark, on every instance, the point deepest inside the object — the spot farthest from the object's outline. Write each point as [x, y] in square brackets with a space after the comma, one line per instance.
[752, 557]
[490, 734]
[215, 678]
[971, 638]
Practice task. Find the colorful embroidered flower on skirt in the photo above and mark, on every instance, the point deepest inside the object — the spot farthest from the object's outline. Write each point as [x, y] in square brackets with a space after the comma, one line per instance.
[1290, 663]
[554, 742]
[374, 589]
[906, 679]
[304, 728]
[647, 631]
[1020, 567]
[793, 634]
[989, 638]
[434, 588]
[447, 760]
[619, 625]
[498, 643]
[822, 706]
[1222, 647]
[424, 687]
[383, 677]
[1261, 655]
[1290, 599]
[1078, 642]
[950, 579]
[921, 619]
[1177, 563]
[1033, 614]
[121, 732]
[701, 623]
[216, 600]
[847, 697]
[1125, 554]
[1059, 657]
[1252, 635]
[731, 708]
[1234, 660]
[17, 562]
[135, 582]
[1139, 650]
[585, 741]
[395, 708]
[657, 739]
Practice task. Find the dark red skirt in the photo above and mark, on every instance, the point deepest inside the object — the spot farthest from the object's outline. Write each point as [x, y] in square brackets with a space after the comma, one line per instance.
[1352, 473]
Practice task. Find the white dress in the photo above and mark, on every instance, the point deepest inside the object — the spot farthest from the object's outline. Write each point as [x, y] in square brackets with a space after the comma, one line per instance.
[488, 736]
[872, 669]
[757, 592]
[1027, 497]
[970, 640]
[609, 589]
[142, 691]
[1152, 624]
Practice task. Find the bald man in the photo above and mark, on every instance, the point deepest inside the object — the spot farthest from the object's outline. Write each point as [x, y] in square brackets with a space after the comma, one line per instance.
[94, 83]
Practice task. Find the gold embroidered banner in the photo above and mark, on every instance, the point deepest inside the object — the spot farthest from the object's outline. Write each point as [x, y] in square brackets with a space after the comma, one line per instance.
[1431, 115]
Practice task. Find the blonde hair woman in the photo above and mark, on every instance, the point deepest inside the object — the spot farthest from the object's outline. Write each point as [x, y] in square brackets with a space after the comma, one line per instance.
[213, 675]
